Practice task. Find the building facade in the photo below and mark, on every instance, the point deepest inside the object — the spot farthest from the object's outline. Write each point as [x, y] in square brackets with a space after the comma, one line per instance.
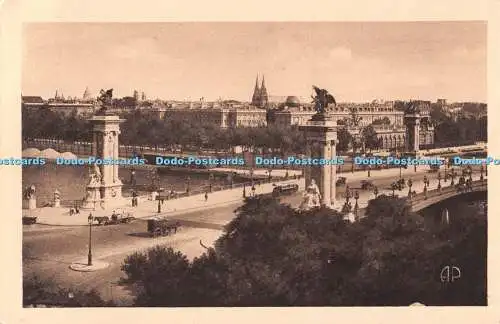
[221, 116]
[387, 118]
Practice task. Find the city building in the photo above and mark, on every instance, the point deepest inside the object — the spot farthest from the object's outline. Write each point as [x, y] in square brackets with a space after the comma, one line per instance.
[386, 117]
[85, 106]
[216, 114]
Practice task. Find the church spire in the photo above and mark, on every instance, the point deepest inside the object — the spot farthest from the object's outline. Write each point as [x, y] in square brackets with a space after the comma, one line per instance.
[256, 92]
[263, 94]
[86, 94]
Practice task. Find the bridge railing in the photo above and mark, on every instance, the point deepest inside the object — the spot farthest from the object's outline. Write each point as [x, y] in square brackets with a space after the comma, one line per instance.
[420, 197]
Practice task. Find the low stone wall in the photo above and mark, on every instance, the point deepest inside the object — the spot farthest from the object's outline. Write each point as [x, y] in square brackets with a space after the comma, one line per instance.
[226, 196]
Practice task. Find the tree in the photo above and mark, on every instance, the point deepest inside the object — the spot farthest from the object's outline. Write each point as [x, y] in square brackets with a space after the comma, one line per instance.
[273, 255]
[159, 275]
[369, 138]
[46, 292]
[344, 139]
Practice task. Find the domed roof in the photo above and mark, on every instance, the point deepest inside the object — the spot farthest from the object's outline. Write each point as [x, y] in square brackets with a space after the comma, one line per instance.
[292, 101]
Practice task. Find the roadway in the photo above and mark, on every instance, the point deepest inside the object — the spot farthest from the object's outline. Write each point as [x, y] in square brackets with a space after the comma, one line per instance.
[49, 250]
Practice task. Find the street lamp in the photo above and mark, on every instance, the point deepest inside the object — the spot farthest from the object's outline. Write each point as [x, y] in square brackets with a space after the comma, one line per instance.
[356, 206]
[355, 143]
[410, 183]
[210, 179]
[445, 171]
[89, 257]
[188, 179]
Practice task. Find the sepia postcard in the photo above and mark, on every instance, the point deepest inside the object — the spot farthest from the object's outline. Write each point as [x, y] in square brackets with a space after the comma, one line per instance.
[238, 162]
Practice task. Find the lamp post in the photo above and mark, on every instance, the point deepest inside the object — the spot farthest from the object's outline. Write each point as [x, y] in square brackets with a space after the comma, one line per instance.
[410, 183]
[439, 181]
[188, 180]
[89, 256]
[425, 190]
[445, 171]
[356, 206]
[400, 167]
[369, 169]
[210, 179]
[244, 191]
[482, 170]
[353, 154]
[348, 196]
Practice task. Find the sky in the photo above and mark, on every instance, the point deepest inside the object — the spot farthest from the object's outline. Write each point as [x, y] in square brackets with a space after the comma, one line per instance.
[355, 61]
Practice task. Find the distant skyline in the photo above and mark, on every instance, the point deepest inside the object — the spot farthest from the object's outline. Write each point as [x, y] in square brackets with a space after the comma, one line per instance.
[355, 61]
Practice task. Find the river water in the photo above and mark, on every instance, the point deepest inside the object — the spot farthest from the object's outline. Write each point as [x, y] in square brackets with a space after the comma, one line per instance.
[72, 180]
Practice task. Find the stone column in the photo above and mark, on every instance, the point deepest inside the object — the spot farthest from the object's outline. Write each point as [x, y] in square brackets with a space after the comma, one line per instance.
[117, 156]
[109, 191]
[412, 122]
[321, 135]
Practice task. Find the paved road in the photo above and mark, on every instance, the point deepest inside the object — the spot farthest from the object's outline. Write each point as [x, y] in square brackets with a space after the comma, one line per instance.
[49, 250]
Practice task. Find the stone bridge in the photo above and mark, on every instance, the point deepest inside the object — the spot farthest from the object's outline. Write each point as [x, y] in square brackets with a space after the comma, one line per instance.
[421, 200]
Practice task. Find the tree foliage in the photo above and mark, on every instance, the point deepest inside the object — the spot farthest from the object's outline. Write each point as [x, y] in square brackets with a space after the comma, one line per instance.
[46, 292]
[273, 255]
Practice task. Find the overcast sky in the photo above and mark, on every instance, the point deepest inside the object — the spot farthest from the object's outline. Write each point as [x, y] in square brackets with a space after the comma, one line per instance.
[187, 61]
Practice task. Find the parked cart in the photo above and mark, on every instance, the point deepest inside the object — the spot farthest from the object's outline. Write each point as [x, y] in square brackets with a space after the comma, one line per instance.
[162, 227]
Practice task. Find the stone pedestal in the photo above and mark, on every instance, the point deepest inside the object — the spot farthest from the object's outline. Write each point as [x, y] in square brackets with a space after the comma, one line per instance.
[108, 191]
[56, 203]
[29, 203]
[321, 136]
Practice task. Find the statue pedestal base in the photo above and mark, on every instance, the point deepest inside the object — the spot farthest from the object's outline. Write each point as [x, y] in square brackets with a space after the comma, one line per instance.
[29, 203]
[104, 197]
[57, 203]
[350, 217]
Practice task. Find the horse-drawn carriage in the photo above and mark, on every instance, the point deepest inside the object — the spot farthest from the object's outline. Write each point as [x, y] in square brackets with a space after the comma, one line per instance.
[162, 226]
[118, 217]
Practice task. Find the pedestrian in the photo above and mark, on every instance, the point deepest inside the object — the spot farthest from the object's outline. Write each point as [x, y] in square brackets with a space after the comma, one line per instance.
[206, 196]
